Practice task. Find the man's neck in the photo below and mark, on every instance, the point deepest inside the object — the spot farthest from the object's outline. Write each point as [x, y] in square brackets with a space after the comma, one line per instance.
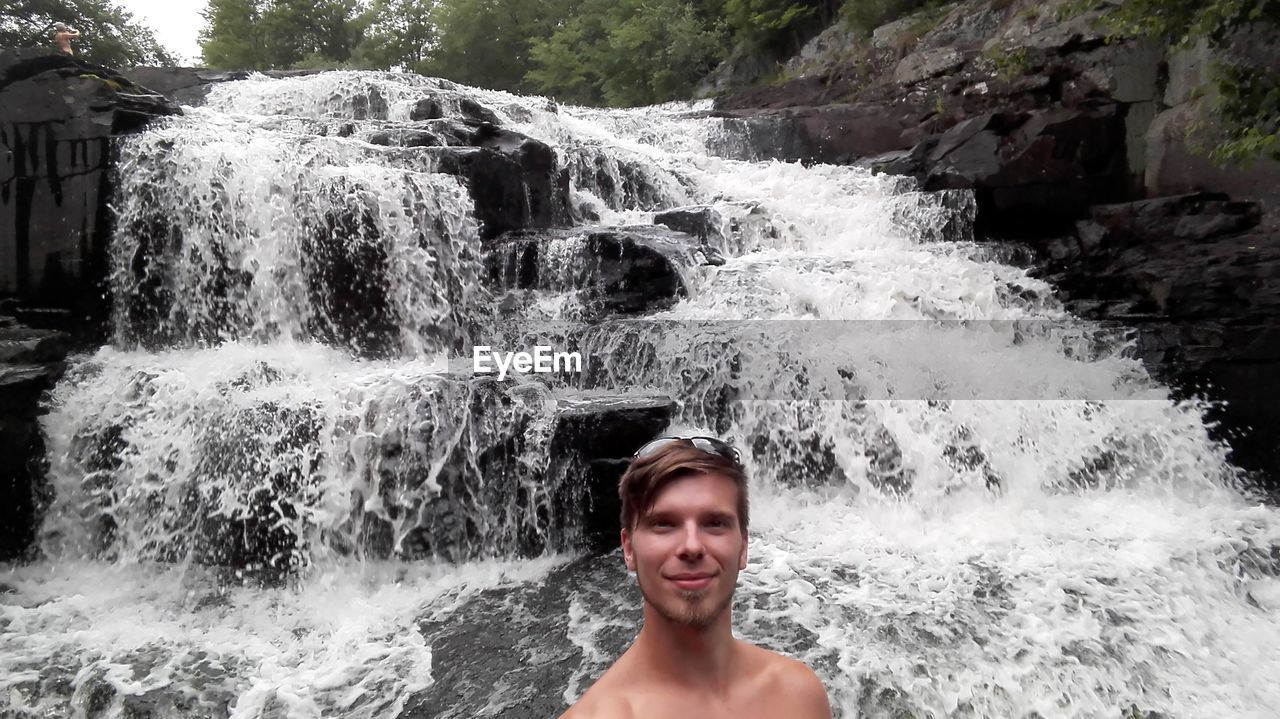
[696, 656]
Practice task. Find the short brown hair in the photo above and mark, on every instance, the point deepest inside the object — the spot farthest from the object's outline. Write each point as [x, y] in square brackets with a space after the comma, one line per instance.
[646, 477]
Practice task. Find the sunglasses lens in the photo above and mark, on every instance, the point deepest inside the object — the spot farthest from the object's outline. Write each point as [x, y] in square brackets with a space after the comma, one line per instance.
[655, 445]
[710, 445]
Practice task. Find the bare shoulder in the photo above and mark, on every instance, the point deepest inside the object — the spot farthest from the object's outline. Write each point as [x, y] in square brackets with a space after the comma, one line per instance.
[804, 693]
[602, 701]
[599, 707]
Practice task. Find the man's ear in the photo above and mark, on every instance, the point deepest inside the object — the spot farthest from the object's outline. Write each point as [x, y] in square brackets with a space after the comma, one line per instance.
[628, 555]
[742, 556]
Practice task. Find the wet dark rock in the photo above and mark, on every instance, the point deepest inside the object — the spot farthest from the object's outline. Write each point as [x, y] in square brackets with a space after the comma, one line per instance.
[514, 180]
[58, 115]
[434, 107]
[700, 221]
[31, 361]
[1193, 217]
[428, 108]
[622, 269]
[262, 460]
[541, 473]
[348, 274]
[593, 438]
[23, 345]
[603, 432]
[409, 137]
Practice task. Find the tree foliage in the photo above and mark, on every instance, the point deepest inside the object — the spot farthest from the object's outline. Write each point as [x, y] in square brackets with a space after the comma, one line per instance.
[486, 42]
[616, 52]
[778, 24]
[279, 34]
[109, 35]
[396, 34]
[627, 52]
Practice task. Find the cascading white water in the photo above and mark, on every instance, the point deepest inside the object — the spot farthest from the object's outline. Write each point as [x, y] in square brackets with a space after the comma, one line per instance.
[967, 503]
[231, 229]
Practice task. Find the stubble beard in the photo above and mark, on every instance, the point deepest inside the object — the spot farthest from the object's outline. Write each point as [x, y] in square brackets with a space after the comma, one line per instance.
[693, 609]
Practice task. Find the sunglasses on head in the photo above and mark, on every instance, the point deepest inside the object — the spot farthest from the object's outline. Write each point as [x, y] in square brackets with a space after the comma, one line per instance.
[710, 445]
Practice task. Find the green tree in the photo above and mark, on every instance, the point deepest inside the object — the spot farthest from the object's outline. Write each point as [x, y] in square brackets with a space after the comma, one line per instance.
[626, 52]
[658, 53]
[311, 32]
[778, 24]
[233, 36]
[572, 61]
[486, 42]
[109, 35]
[279, 34]
[396, 34]
[562, 66]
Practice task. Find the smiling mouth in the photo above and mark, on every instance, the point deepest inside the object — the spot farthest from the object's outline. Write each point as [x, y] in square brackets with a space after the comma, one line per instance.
[692, 582]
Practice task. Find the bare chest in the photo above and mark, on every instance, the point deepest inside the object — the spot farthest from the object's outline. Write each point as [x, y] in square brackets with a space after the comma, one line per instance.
[747, 704]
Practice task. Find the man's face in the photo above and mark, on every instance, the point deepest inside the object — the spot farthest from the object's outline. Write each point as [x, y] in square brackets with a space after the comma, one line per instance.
[687, 551]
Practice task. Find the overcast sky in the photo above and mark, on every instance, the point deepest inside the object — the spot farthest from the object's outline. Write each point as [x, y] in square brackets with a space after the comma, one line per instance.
[176, 22]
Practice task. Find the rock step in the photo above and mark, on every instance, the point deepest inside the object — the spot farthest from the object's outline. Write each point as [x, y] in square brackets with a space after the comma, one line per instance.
[416, 492]
[626, 270]
[25, 345]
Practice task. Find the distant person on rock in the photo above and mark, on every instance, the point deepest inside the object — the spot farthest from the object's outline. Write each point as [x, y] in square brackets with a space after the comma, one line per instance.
[62, 37]
[684, 534]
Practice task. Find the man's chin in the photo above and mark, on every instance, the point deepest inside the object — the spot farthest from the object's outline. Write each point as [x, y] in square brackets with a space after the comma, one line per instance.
[693, 609]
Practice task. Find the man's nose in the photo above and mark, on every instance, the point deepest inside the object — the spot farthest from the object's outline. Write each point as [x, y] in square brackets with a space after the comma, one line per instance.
[691, 546]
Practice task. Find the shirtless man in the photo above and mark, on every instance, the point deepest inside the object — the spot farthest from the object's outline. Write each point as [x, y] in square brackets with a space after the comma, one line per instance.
[62, 37]
[684, 534]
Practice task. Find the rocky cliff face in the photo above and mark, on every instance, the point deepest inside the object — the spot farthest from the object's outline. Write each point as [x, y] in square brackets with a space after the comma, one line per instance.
[57, 117]
[1088, 150]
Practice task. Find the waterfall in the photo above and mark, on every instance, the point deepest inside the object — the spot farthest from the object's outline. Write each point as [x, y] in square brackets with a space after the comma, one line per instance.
[281, 490]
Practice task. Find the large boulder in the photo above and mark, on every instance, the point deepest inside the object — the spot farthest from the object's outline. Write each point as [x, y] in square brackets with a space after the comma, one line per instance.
[1049, 165]
[514, 180]
[701, 221]
[58, 115]
[613, 269]
[603, 432]
[1046, 28]
[925, 64]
